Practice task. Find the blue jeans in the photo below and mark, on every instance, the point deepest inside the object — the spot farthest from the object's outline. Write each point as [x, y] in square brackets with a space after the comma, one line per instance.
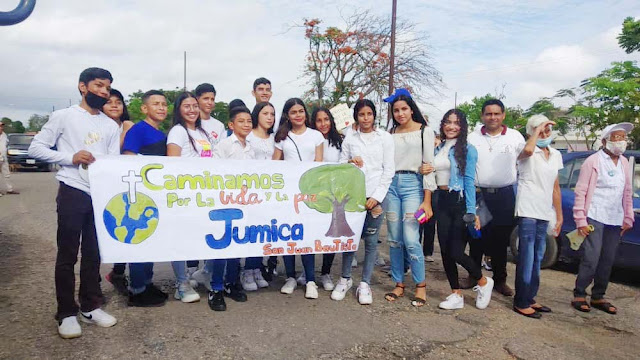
[370, 234]
[180, 271]
[140, 275]
[403, 200]
[217, 268]
[308, 263]
[253, 263]
[532, 235]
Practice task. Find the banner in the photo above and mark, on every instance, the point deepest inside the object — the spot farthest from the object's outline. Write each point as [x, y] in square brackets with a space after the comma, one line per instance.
[153, 208]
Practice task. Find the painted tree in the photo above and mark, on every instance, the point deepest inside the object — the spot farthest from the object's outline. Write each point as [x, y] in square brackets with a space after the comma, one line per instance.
[343, 64]
[334, 189]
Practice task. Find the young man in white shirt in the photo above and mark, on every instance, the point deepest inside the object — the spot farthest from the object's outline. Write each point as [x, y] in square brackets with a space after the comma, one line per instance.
[497, 148]
[206, 96]
[5, 173]
[262, 90]
[78, 133]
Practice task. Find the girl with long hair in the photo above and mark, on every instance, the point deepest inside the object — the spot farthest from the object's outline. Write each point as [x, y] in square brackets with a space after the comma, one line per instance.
[261, 139]
[187, 138]
[455, 170]
[372, 150]
[409, 194]
[322, 120]
[295, 141]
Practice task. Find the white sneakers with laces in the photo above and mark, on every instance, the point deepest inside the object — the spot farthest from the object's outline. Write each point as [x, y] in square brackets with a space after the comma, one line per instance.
[363, 292]
[98, 317]
[326, 282]
[302, 279]
[69, 328]
[289, 286]
[312, 290]
[453, 302]
[483, 294]
[186, 294]
[248, 280]
[341, 289]
[260, 281]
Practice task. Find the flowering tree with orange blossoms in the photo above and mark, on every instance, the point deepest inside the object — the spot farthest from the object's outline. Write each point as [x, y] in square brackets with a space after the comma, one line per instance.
[343, 65]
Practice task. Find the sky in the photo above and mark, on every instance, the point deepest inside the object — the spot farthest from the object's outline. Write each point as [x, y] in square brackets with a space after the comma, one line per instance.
[523, 49]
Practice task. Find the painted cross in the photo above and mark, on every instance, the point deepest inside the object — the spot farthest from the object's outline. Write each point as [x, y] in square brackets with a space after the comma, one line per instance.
[132, 179]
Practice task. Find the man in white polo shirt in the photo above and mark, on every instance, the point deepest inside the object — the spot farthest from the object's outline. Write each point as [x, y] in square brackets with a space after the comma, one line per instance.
[497, 148]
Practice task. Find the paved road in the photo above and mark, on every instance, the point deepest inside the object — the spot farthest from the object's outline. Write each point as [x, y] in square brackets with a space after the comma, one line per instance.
[275, 326]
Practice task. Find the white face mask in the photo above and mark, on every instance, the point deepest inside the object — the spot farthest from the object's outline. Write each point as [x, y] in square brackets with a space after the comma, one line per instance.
[616, 147]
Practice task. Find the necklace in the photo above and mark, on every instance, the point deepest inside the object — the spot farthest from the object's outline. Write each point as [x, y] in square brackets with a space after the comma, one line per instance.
[492, 142]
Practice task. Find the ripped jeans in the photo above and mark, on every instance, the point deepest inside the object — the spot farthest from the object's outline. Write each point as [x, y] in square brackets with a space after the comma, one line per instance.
[403, 199]
[370, 234]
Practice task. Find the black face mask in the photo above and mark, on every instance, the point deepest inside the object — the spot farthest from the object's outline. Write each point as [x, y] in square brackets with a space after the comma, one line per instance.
[94, 101]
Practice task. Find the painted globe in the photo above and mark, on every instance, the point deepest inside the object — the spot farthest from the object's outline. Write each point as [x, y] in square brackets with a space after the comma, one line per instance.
[130, 223]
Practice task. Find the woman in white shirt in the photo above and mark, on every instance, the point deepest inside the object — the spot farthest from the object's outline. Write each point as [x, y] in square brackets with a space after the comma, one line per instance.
[186, 138]
[409, 193]
[322, 120]
[296, 142]
[262, 143]
[371, 150]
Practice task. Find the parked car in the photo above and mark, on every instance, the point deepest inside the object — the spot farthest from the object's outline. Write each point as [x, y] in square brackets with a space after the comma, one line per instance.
[558, 248]
[17, 152]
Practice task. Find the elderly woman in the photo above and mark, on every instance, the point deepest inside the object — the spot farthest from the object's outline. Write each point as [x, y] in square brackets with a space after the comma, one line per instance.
[538, 190]
[603, 200]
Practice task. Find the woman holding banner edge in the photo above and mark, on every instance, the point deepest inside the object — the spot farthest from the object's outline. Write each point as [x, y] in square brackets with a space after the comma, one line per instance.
[295, 141]
[409, 194]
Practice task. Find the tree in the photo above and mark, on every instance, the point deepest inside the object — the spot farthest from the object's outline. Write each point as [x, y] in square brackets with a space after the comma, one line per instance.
[11, 126]
[473, 109]
[344, 64]
[221, 112]
[629, 38]
[545, 107]
[334, 189]
[36, 122]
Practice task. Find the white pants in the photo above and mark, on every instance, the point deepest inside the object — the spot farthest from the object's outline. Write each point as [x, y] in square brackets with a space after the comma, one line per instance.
[4, 171]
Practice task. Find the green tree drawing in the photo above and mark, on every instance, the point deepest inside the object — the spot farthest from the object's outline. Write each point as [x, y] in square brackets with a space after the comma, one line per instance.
[335, 189]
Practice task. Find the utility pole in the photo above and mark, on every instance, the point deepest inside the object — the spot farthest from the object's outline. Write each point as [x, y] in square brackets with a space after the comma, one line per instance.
[185, 71]
[392, 56]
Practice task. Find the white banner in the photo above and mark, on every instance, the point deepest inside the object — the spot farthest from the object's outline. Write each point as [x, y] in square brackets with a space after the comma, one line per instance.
[153, 208]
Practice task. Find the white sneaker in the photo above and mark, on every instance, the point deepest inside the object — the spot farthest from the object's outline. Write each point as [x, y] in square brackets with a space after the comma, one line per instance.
[354, 262]
[341, 289]
[186, 294]
[69, 328]
[98, 317]
[453, 302]
[312, 290]
[364, 294]
[247, 280]
[326, 282]
[289, 286]
[260, 281]
[302, 279]
[483, 294]
[202, 277]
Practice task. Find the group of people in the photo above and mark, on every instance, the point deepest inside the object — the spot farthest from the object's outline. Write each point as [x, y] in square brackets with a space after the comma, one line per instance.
[411, 178]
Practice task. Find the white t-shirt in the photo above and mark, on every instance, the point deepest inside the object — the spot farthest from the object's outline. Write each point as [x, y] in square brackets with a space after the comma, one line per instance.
[330, 153]
[442, 164]
[263, 148]
[306, 145]
[497, 157]
[606, 201]
[537, 175]
[178, 136]
[215, 129]
[71, 130]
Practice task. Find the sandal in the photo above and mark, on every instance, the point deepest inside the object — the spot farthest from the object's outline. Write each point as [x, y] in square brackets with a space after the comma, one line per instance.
[541, 308]
[534, 315]
[391, 296]
[581, 305]
[419, 302]
[605, 306]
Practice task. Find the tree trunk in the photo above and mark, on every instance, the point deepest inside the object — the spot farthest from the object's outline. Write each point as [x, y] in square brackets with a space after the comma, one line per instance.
[339, 225]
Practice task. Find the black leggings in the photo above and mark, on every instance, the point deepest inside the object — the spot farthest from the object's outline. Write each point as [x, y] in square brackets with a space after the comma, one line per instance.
[453, 236]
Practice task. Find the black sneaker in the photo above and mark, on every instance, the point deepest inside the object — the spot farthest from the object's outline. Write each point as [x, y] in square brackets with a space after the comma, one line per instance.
[216, 301]
[267, 274]
[146, 299]
[157, 292]
[119, 282]
[235, 292]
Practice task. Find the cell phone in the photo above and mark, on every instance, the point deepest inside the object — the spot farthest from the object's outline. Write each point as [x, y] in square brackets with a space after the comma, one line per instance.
[421, 216]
